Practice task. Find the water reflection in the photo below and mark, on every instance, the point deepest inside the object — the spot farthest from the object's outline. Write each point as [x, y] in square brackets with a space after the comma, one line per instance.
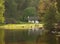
[22, 36]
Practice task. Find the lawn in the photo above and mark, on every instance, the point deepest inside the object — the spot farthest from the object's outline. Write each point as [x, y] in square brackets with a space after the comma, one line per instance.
[20, 26]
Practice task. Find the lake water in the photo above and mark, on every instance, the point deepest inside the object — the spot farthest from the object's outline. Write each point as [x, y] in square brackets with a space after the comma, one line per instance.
[22, 37]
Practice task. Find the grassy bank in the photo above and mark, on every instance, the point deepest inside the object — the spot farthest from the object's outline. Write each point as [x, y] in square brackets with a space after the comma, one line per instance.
[20, 26]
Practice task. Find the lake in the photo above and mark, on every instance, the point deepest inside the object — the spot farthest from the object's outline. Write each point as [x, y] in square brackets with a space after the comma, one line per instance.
[22, 37]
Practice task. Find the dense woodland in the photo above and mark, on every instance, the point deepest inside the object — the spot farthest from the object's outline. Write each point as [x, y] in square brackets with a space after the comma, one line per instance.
[16, 11]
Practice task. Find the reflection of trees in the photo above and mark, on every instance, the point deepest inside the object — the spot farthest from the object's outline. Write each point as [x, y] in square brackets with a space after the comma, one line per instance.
[19, 35]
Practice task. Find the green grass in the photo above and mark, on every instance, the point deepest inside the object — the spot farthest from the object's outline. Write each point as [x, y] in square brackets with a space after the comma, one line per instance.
[20, 26]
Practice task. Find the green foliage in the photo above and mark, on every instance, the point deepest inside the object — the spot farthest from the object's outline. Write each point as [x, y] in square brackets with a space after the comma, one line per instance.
[11, 13]
[58, 17]
[11, 8]
[1, 11]
[58, 5]
[16, 8]
[30, 11]
[49, 18]
[49, 22]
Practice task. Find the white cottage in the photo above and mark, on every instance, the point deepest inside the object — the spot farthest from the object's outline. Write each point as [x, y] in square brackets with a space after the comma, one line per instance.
[33, 19]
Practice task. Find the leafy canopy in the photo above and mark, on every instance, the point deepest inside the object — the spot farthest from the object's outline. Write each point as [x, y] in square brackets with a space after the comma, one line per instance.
[1, 11]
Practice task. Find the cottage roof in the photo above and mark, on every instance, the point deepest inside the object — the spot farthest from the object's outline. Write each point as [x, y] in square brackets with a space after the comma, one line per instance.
[33, 18]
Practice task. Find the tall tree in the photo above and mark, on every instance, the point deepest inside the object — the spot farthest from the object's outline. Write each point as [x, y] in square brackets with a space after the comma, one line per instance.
[30, 11]
[11, 11]
[58, 5]
[14, 10]
[49, 22]
[2, 11]
[2, 21]
[58, 14]
[58, 17]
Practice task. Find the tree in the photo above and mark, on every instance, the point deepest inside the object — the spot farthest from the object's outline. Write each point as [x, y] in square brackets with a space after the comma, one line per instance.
[1, 11]
[30, 11]
[49, 22]
[58, 17]
[58, 14]
[49, 18]
[2, 21]
[58, 5]
[11, 10]
[14, 10]
[43, 5]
